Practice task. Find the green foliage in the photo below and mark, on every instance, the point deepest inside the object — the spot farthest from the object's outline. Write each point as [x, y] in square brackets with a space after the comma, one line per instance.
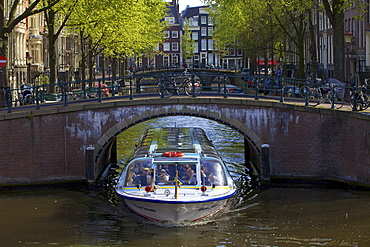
[120, 27]
[187, 43]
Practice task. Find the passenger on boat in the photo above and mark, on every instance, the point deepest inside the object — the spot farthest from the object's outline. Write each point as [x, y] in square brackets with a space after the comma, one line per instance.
[144, 178]
[193, 178]
[213, 179]
[163, 176]
[170, 170]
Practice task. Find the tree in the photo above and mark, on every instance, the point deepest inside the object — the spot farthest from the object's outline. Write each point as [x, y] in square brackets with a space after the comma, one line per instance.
[118, 28]
[8, 23]
[187, 43]
[56, 18]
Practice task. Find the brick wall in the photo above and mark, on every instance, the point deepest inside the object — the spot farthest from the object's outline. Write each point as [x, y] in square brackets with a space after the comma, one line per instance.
[48, 145]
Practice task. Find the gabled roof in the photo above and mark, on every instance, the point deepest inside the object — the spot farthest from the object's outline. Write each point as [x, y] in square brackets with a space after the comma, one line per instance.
[191, 11]
[173, 11]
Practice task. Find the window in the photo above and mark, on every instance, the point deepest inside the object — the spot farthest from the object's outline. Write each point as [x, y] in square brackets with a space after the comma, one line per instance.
[166, 46]
[175, 34]
[175, 46]
[193, 22]
[239, 52]
[194, 35]
[210, 20]
[204, 45]
[232, 52]
[210, 44]
[170, 20]
[210, 30]
[204, 31]
[203, 19]
[175, 59]
[196, 47]
[166, 34]
[166, 60]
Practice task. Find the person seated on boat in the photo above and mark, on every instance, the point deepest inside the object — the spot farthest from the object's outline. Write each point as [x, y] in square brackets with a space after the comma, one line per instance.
[144, 178]
[213, 179]
[130, 178]
[193, 178]
[163, 176]
[142, 166]
[182, 170]
[170, 170]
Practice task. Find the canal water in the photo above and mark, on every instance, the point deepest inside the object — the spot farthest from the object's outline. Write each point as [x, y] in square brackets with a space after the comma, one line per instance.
[285, 216]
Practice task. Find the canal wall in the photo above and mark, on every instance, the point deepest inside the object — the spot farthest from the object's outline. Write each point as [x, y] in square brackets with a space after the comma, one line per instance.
[52, 145]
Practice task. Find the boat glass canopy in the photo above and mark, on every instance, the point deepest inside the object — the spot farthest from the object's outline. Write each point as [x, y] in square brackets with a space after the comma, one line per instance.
[190, 171]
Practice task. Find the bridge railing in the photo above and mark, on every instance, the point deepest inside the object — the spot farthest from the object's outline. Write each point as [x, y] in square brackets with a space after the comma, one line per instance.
[219, 84]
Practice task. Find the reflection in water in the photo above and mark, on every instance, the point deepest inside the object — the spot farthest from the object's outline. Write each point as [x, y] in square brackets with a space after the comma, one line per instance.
[271, 217]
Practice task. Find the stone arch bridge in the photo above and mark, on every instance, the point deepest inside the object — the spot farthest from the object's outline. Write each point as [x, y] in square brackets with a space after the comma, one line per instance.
[282, 141]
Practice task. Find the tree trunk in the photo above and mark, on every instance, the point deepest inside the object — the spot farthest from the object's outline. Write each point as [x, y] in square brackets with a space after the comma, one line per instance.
[51, 50]
[338, 47]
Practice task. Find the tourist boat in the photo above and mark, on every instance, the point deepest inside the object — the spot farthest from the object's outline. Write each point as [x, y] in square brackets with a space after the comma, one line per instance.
[175, 175]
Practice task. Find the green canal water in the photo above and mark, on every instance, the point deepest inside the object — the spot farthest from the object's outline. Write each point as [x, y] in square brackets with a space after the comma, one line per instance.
[298, 216]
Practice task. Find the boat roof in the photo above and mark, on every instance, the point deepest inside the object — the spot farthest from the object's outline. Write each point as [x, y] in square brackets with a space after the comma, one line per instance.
[156, 141]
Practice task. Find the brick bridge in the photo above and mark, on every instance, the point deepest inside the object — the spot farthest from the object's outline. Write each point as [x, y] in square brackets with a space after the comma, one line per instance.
[72, 143]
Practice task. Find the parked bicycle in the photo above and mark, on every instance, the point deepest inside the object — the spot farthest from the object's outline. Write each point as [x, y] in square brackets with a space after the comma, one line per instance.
[26, 95]
[168, 86]
[359, 98]
[322, 93]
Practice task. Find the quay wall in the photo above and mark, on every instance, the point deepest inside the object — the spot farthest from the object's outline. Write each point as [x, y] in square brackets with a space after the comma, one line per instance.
[49, 145]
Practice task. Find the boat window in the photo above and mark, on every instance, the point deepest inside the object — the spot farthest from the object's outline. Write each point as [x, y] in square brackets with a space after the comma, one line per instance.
[139, 172]
[212, 172]
[166, 173]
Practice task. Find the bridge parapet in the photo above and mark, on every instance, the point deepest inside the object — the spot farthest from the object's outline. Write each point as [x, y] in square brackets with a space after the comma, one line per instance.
[57, 138]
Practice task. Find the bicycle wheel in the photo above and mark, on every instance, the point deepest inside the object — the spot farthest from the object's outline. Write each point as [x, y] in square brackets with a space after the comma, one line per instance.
[164, 88]
[303, 91]
[314, 97]
[359, 102]
[188, 87]
[366, 102]
[338, 101]
[28, 100]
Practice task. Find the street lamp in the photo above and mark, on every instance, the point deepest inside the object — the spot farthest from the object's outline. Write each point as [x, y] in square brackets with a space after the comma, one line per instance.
[347, 39]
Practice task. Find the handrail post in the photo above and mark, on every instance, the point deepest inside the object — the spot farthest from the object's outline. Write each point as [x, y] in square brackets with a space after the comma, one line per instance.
[113, 88]
[306, 94]
[64, 93]
[162, 88]
[219, 83]
[37, 98]
[8, 97]
[282, 91]
[353, 98]
[225, 89]
[332, 89]
[131, 92]
[256, 96]
[193, 85]
[99, 91]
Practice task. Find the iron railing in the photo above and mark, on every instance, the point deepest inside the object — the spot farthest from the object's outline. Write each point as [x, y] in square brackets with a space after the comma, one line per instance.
[215, 84]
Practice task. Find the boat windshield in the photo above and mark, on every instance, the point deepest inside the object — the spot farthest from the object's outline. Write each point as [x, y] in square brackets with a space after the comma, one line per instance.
[139, 172]
[144, 172]
[213, 172]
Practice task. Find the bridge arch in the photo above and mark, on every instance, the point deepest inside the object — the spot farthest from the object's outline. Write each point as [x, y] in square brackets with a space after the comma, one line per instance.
[105, 144]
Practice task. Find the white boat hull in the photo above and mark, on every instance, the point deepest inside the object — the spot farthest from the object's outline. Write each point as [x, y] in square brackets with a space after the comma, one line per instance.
[175, 212]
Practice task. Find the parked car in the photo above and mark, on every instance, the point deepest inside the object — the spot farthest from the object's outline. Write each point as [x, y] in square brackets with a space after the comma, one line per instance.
[245, 72]
[231, 89]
